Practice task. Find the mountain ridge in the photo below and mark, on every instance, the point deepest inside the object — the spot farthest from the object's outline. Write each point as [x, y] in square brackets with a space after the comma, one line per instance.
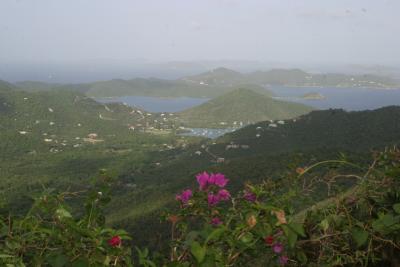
[217, 82]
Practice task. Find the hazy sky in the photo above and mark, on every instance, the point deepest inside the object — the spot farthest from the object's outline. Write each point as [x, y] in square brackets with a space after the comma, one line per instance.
[344, 31]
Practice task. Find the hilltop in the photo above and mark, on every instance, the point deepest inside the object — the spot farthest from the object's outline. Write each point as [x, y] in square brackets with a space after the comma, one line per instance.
[219, 76]
[6, 86]
[240, 107]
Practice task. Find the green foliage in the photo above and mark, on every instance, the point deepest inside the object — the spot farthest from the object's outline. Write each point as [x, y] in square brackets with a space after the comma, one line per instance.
[360, 227]
[49, 235]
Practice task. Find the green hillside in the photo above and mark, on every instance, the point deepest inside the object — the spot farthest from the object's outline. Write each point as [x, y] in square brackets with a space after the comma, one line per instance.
[328, 129]
[241, 105]
[62, 138]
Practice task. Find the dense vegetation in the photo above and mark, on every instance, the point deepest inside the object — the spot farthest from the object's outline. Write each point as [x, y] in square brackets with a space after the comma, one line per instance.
[262, 226]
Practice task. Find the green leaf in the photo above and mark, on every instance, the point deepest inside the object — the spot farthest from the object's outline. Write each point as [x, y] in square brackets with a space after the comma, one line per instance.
[297, 228]
[57, 260]
[378, 226]
[360, 236]
[198, 251]
[107, 260]
[63, 213]
[290, 234]
[81, 263]
[388, 220]
[302, 257]
[190, 237]
[247, 238]
[324, 225]
[396, 207]
[215, 234]
[2, 256]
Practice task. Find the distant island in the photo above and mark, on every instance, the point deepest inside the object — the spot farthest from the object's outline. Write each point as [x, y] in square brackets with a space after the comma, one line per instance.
[215, 83]
[239, 108]
[313, 96]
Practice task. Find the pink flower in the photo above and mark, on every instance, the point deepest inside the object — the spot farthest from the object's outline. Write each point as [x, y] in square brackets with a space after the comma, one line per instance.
[218, 179]
[277, 248]
[202, 179]
[115, 241]
[250, 196]
[216, 221]
[224, 194]
[184, 196]
[283, 260]
[212, 199]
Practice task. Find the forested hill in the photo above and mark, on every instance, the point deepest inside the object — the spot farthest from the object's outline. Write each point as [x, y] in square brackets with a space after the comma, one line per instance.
[328, 129]
[241, 106]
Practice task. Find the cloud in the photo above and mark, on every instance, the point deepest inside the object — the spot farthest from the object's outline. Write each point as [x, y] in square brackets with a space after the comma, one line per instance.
[324, 14]
[197, 26]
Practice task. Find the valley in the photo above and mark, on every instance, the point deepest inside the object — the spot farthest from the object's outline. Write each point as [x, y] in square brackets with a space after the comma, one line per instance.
[67, 135]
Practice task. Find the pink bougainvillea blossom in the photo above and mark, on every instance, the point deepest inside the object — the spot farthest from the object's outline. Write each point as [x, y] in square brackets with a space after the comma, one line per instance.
[219, 180]
[184, 196]
[250, 196]
[277, 248]
[216, 221]
[283, 260]
[212, 199]
[202, 179]
[224, 194]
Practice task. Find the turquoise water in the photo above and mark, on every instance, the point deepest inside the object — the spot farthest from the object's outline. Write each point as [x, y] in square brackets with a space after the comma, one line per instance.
[207, 132]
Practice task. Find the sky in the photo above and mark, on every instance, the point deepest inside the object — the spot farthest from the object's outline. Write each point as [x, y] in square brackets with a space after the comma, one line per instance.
[338, 31]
